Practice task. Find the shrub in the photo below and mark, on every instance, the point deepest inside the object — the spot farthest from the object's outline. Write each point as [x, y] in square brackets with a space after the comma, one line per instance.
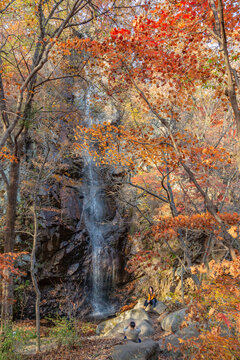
[11, 340]
[128, 307]
[65, 332]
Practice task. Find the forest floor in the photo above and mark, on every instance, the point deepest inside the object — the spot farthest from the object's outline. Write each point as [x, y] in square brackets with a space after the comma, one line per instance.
[90, 347]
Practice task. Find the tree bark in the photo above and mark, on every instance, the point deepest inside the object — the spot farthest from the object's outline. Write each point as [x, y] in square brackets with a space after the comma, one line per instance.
[7, 283]
[33, 255]
[232, 77]
[231, 93]
[34, 273]
[183, 244]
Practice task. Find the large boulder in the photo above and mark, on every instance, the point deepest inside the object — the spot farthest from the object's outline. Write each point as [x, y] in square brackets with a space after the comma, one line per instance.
[160, 307]
[173, 340]
[106, 325]
[137, 315]
[118, 331]
[146, 350]
[140, 303]
[172, 321]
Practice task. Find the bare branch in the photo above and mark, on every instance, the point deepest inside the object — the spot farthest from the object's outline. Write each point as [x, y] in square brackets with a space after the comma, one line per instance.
[148, 191]
[7, 6]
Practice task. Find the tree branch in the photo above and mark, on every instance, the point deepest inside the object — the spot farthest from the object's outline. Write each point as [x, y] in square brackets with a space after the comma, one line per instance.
[7, 6]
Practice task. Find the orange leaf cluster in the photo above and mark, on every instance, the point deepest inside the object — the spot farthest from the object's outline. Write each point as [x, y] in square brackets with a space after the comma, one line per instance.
[128, 307]
[7, 262]
[168, 226]
[5, 155]
[113, 145]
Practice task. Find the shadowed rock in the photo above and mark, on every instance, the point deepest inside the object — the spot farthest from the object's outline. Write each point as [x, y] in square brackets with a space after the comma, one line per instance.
[147, 350]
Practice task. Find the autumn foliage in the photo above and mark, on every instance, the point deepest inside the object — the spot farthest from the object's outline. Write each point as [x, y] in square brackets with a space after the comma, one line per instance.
[215, 307]
[169, 226]
[7, 262]
[170, 71]
[127, 307]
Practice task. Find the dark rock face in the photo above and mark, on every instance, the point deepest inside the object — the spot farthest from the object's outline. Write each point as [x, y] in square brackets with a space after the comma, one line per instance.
[64, 248]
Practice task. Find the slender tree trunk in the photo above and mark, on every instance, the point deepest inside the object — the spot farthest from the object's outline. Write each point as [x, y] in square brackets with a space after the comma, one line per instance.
[7, 283]
[34, 273]
[34, 248]
[232, 76]
[231, 93]
[183, 244]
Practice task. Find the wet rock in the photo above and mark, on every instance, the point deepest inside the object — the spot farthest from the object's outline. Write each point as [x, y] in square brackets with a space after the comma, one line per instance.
[70, 248]
[73, 268]
[70, 203]
[146, 350]
[59, 256]
[64, 246]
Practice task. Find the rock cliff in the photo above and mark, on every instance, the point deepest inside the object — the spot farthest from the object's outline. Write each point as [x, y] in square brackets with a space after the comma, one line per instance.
[64, 246]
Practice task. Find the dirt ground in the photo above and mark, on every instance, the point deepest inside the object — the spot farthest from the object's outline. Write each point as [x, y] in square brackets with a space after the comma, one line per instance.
[89, 349]
[91, 346]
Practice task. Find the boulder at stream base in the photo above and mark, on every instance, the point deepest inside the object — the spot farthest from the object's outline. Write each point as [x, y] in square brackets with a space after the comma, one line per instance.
[135, 314]
[172, 321]
[114, 327]
[118, 330]
[146, 350]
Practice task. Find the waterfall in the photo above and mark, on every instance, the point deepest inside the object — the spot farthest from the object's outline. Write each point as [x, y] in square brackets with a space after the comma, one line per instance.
[103, 270]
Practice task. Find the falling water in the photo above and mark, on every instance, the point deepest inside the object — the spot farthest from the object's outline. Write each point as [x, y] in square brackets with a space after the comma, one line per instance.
[103, 255]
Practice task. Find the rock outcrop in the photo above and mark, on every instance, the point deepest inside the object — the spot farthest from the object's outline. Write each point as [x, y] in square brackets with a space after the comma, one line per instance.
[64, 247]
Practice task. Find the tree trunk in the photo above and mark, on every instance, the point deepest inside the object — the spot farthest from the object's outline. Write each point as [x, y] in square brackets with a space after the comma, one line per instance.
[183, 244]
[7, 283]
[232, 76]
[34, 275]
[33, 255]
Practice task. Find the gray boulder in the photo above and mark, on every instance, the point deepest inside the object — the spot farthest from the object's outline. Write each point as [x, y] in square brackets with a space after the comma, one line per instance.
[144, 325]
[146, 350]
[137, 315]
[172, 321]
[106, 325]
[140, 303]
[160, 307]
